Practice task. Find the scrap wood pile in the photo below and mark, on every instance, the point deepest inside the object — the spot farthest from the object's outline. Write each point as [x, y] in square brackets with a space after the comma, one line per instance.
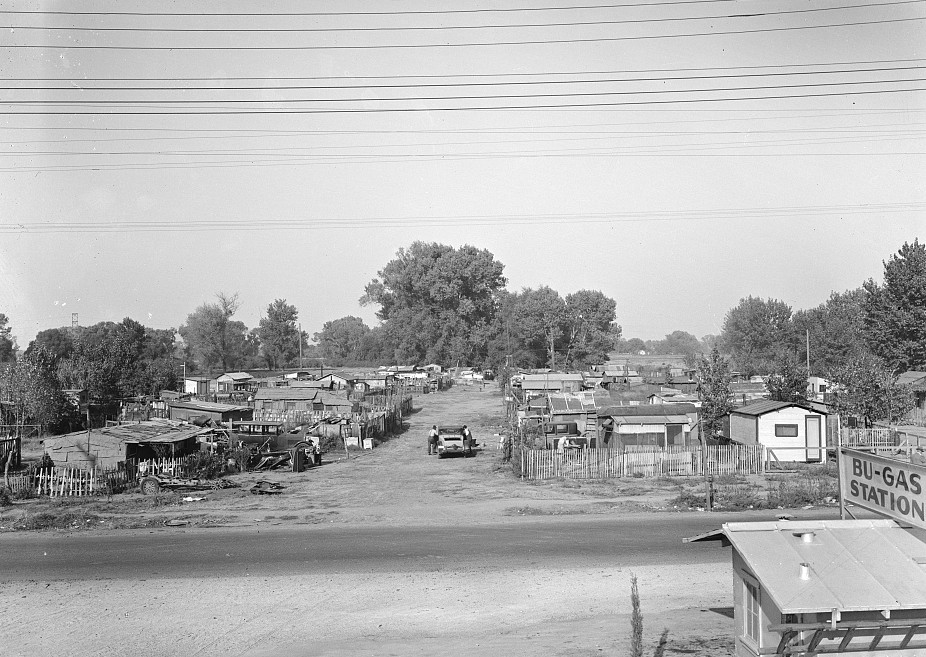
[272, 460]
[266, 488]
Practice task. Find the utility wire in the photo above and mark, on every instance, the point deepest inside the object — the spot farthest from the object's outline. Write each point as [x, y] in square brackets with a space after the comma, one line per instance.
[428, 28]
[869, 62]
[908, 128]
[572, 94]
[774, 74]
[252, 224]
[442, 12]
[864, 136]
[472, 43]
[265, 111]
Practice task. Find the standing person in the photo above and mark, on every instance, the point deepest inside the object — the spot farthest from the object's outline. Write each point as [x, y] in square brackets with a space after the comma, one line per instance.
[467, 440]
[432, 440]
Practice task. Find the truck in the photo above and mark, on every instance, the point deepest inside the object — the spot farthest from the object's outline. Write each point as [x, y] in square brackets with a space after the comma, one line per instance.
[450, 440]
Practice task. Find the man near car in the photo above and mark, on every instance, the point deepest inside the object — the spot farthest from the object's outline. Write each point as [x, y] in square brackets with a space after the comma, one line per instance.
[432, 440]
[467, 440]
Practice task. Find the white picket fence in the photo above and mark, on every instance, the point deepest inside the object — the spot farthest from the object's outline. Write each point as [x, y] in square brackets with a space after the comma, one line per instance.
[655, 462]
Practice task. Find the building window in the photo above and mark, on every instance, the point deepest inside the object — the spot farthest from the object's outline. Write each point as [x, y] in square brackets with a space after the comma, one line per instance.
[751, 611]
[822, 389]
[291, 406]
[786, 431]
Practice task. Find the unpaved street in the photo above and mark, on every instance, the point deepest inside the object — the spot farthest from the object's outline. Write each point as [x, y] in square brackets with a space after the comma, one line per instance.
[379, 533]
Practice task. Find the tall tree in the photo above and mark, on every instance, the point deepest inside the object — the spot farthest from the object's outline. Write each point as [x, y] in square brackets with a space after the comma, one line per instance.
[57, 342]
[213, 338]
[342, 339]
[538, 320]
[31, 390]
[435, 301]
[755, 332]
[868, 389]
[279, 334]
[787, 381]
[835, 329]
[714, 391]
[895, 311]
[677, 342]
[7, 341]
[590, 330]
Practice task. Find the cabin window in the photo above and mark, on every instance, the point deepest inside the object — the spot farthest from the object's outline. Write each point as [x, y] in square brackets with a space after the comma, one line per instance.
[786, 431]
[291, 406]
[751, 611]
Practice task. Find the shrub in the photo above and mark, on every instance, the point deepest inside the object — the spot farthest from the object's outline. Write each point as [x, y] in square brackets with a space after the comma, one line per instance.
[6, 498]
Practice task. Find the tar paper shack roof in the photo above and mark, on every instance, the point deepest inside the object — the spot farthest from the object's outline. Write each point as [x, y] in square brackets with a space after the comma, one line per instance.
[855, 565]
[770, 406]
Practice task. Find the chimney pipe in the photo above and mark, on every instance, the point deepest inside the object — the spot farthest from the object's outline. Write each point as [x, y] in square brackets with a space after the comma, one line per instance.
[805, 571]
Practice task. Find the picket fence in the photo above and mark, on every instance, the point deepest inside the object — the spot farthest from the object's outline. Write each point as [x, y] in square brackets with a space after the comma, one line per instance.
[74, 482]
[655, 462]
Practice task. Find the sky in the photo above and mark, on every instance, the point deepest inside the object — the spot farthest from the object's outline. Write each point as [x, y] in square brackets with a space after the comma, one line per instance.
[676, 155]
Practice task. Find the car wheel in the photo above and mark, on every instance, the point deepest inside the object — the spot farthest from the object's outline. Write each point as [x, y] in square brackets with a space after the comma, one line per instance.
[149, 486]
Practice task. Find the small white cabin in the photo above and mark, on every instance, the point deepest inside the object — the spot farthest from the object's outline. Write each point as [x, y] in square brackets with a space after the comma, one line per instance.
[796, 432]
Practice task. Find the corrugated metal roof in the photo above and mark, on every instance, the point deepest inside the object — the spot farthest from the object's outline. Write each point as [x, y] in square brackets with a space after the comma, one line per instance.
[647, 409]
[855, 565]
[237, 376]
[552, 376]
[213, 407]
[150, 431]
[650, 419]
[567, 403]
[287, 393]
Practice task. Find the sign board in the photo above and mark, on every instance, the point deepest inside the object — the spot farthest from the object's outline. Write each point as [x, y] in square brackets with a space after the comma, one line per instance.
[893, 488]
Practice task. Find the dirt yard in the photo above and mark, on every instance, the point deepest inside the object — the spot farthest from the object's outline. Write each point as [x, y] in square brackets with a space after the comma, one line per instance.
[399, 484]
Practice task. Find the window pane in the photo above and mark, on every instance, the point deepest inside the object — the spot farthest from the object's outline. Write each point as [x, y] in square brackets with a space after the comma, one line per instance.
[786, 430]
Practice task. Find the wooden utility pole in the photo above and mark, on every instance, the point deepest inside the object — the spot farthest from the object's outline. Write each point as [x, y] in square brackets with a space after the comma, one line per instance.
[808, 352]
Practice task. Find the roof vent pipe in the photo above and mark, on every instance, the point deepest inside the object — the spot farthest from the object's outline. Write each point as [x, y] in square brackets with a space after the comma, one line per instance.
[807, 537]
[805, 571]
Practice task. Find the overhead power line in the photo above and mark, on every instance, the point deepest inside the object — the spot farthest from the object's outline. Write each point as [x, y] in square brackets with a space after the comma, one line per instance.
[73, 87]
[264, 223]
[430, 28]
[571, 94]
[430, 12]
[437, 108]
[525, 42]
[870, 62]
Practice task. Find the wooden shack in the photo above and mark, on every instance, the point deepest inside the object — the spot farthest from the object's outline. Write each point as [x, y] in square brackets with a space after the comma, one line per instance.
[108, 447]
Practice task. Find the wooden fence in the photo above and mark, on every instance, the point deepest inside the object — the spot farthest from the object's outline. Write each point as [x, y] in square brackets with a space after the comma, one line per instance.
[655, 462]
[881, 437]
[74, 482]
[8, 446]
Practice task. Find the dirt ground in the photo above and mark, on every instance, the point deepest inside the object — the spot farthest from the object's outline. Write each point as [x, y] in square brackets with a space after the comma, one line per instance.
[566, 611]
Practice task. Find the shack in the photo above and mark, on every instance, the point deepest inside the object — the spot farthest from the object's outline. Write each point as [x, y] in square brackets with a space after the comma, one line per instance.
[108, 447]
[796, 431]
[652, 425]
[826, 587]
[200, 411]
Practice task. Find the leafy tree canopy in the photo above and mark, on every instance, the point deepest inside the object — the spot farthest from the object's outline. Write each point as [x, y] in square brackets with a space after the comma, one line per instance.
[756, 332]
[436, 301]
[213, 339]
[279, 334]
[343, 339]
[835, 328]
[787, 381]
[895, 311]
[7, 341]
[868, 389]
[714, 391]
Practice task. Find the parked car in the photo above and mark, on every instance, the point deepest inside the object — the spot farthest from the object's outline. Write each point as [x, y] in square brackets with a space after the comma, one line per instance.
[450, 440]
